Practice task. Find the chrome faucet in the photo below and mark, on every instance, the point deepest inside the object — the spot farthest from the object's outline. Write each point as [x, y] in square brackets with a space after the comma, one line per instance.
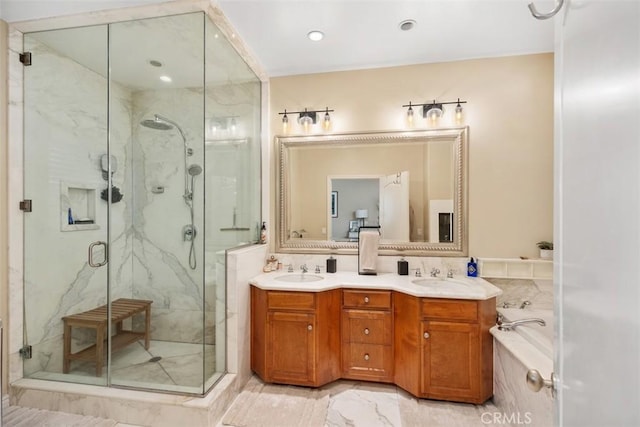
[304, 268]
[507, 326]
[435, 272]
[524, 304]
[450, 274]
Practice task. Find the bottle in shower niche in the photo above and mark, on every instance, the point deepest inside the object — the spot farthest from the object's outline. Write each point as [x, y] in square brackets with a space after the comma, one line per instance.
[263, 233]
[69, 217]
[472, 268]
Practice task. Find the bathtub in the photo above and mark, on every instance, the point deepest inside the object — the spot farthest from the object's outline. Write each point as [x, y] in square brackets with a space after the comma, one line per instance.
[516, 351]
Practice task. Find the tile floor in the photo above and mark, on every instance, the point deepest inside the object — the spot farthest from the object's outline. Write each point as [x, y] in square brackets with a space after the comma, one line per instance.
[340, 404]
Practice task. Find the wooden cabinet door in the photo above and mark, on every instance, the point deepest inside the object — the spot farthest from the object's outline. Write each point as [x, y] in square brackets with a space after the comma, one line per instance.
[291, 347]
[450, 359]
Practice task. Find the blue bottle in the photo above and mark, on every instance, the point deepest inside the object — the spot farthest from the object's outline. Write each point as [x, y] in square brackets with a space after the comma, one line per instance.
[69, 216]
[472, 268]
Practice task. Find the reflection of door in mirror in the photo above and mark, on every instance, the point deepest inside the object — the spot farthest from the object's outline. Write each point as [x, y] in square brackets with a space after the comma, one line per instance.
[394, 207]
[358, 194]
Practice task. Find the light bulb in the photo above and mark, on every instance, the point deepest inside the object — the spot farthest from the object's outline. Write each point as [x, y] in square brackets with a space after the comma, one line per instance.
[285, 122]
[410, 116]
[458, 113]
[326, 124]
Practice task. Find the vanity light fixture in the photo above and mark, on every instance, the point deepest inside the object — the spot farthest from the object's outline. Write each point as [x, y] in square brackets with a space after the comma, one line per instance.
[434, 110]
[307, 118]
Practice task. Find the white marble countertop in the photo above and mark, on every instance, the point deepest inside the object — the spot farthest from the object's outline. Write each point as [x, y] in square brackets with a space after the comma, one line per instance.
[459, 287]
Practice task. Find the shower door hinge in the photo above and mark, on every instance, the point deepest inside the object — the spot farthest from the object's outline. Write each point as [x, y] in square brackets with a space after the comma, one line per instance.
[25, 205]
[25, 58]
[25, 352]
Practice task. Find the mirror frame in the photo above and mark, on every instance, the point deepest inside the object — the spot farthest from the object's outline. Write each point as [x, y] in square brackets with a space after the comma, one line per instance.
[457, 248]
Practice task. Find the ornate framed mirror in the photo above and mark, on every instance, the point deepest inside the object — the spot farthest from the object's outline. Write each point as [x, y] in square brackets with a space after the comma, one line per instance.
[413, 184]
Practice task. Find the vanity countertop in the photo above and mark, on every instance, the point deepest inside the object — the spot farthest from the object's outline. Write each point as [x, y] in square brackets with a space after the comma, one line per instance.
[459, 287]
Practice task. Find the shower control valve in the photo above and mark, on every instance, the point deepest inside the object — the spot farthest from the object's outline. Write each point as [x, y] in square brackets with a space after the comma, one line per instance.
[188, 233]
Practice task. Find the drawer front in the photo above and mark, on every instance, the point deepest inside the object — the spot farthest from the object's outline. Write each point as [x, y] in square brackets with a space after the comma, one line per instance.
[367, 327]
[449, 309]
[366, 299]
[367, 360]
[291, 300]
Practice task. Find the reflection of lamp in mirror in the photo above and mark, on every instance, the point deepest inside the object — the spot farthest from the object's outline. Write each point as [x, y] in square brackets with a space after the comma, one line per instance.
[361, 215]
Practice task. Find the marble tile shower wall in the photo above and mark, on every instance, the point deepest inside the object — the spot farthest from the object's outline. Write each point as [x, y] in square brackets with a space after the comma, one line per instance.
[66, 148]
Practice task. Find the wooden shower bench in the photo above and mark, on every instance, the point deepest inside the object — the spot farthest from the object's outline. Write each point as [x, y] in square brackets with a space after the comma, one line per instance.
[121, 309]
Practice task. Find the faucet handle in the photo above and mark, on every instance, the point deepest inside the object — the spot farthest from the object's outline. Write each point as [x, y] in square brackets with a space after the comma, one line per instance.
[418, 272]
[450, 273]
[290, 268]
[317, 268]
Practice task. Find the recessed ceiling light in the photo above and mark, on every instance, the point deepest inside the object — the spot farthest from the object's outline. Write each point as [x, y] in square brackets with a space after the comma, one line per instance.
[165, 79]
[155, 63]
[407, 24]
[315, 35]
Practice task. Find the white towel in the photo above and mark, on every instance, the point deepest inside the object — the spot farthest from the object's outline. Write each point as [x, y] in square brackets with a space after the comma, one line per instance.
[368, 250]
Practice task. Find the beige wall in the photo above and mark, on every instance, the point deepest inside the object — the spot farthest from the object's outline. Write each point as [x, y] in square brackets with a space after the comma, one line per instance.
[510, 117]
[4, 271]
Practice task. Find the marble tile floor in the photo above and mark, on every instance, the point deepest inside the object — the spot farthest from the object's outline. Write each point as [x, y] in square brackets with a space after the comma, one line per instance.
[170, 366]
[342, 403]
[347, 404]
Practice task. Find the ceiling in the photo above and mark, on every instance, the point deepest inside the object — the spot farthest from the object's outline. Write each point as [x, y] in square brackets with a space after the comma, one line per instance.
[365, 33]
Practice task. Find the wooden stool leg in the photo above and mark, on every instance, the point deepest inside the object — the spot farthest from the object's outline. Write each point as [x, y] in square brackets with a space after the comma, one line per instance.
[66, 362]
[147, 326]
[99, 349]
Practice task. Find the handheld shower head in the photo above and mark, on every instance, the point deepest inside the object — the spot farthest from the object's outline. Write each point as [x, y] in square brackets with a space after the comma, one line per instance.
[194, 170]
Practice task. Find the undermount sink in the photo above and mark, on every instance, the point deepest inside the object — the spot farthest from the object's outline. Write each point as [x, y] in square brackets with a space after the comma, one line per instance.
[299, 278]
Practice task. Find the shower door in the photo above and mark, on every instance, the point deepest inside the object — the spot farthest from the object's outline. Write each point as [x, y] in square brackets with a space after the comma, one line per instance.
[66, 174]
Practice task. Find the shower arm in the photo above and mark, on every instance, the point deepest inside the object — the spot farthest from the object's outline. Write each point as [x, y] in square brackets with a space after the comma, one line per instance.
[187, 193]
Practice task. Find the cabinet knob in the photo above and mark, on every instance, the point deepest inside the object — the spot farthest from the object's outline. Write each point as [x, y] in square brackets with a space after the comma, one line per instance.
[426, 334]
[309, 327]
[366, 356]
[366, 331]
[366, 300]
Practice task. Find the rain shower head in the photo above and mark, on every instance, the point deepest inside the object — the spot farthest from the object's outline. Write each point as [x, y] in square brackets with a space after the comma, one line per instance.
[156, 124]
[194, 170]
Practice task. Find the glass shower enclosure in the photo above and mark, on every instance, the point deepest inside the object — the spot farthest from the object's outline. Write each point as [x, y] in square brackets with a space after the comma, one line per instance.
[142, 159]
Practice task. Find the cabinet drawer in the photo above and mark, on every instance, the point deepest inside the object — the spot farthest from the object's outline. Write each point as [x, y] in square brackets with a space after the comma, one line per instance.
[449, 309]
[367, 360]
[366, 299]
[291, 300]
[367, 327]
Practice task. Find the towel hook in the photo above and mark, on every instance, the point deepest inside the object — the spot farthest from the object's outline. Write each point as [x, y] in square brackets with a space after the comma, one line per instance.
[551, 14]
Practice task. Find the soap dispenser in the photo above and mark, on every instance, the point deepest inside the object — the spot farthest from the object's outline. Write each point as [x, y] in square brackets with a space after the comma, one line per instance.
[472, 268]
[332, 265]
[403, 267]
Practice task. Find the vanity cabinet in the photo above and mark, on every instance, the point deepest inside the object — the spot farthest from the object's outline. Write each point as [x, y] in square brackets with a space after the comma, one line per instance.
[367, 335]
[295, 336]
[444, 349]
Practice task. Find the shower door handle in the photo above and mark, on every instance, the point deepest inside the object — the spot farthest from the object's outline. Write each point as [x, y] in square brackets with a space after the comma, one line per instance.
[106, 258]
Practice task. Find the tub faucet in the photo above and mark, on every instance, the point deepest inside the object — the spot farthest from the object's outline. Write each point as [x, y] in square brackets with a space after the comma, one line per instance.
[507, 326]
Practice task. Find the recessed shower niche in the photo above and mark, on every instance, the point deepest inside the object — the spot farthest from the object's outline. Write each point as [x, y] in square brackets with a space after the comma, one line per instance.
[77, 207]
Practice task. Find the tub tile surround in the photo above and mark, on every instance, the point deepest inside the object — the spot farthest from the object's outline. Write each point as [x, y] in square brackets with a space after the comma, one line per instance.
[514, 291]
